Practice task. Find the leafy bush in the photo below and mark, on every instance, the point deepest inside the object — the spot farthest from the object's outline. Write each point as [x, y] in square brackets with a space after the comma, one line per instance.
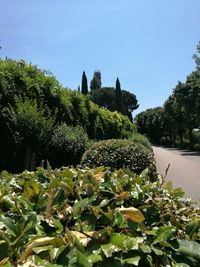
[67, 145]
[120, 154]
[30, 127]
[99, 218]
[139, 138]
[51, 103]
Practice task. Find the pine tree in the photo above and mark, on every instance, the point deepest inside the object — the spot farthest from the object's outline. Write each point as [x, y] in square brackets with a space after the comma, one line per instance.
[84, 85]
[118, 97]
[96, 81]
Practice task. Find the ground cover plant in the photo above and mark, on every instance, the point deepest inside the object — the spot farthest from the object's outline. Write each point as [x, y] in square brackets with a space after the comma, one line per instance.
[95, 217]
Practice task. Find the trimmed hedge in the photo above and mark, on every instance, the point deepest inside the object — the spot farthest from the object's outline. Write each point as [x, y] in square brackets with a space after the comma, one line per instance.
[116, 153]
[95, 218]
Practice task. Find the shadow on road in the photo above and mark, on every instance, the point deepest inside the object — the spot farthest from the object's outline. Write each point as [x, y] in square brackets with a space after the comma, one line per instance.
[190, 153]
[183, 151]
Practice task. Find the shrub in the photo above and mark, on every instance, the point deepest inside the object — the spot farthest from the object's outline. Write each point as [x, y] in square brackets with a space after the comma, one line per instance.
[67, 145]
[120, 154]
[139, 138]
[95, 218]
[30, 127]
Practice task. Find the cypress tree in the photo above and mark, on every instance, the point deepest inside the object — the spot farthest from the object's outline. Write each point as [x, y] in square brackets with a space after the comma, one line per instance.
[118, 97]
[84, 85]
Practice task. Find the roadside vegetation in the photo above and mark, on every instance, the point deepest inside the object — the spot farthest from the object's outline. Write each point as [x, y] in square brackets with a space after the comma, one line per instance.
[40, 119]
[177, 122]
[78, 183]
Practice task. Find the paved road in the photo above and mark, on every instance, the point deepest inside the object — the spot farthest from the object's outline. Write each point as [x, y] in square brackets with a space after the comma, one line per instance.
[184, 169]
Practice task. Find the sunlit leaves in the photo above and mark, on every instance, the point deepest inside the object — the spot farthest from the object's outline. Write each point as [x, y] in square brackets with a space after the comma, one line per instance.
[85, 217]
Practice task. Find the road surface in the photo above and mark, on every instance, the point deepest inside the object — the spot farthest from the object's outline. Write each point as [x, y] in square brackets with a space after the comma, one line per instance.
[184, 169]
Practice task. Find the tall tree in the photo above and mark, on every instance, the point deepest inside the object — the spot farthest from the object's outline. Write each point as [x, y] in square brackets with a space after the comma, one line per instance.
[118, 97]
[96, 81]
[196, 56]
[84, 85]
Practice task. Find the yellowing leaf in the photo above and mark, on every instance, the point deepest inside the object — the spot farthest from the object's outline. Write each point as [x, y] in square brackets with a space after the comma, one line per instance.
[84, 238]
[99, 176]
[123, 195]
[37, 242]
[132, 214]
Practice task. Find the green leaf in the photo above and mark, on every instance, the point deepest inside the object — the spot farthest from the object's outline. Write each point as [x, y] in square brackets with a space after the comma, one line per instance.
[82, 260]
[189, 248]
[109, 249]
[181, 265]
[80, 205]
[94, 258]
[163, 233]
[9, 203]
[145, 248]
[133, 261]
[125, 242]
[157, 251]
[11, 227]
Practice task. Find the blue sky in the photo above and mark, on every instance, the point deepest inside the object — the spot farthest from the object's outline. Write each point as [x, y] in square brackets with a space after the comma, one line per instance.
[147, 44]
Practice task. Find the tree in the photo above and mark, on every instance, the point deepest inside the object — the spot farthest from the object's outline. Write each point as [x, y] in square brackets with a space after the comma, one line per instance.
[118, 97]
[105, 97]
[129, 103]
[84, 85]
[96, 81]
[149, 122]
[196, 56]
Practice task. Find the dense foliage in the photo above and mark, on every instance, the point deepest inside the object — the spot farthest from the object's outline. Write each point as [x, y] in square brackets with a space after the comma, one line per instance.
[106, 97]
[139, 138]
[70, 217]
[67, 145]
[174, 123]
[120, 154]
[149, 122]
[33, 104]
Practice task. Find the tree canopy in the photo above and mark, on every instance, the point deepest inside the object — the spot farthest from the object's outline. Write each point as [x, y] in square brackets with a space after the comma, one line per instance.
[106, 98]
[96, 81]
[178, 117]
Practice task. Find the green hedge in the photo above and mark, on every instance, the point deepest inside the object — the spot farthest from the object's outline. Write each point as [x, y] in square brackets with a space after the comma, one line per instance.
[24, 85]
[95, 218]
[67, 145]
[118, 154]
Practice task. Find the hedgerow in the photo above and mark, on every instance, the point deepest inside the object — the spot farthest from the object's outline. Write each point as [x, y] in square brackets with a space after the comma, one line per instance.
[95, 217]
[25, 87]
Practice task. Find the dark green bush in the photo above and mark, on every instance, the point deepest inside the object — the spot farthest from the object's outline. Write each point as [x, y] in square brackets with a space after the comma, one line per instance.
[67, 145]
[120, 154]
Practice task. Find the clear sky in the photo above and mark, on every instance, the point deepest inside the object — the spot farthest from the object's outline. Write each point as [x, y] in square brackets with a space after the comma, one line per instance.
[147, 44]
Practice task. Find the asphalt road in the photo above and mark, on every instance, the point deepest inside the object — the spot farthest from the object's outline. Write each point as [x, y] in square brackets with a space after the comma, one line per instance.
[184, 169]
